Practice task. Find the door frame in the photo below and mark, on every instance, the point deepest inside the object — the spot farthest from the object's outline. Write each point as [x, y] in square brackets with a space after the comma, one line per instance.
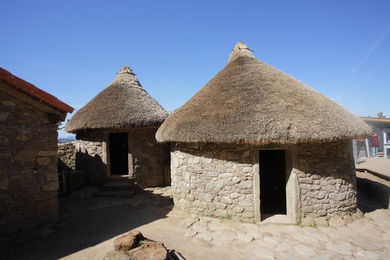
[292, 185]
[106, 152]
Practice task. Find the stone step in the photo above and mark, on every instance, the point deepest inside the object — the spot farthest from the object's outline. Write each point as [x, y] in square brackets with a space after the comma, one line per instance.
[120, 184]
[116, 194]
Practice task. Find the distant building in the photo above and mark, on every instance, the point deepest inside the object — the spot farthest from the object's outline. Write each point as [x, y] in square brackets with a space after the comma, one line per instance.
[29, 119]
[380, 126]
[255, 142]
[115, 135]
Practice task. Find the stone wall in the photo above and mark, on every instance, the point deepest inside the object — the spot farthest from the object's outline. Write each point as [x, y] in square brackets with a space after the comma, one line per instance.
[89, 156]
[28, 167]
[150, 159]
[223, 181]
[326, 175]
[67, 154]
[211, 181]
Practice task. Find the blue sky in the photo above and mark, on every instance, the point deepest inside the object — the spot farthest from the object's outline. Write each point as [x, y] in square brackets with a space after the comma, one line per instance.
[73, 49]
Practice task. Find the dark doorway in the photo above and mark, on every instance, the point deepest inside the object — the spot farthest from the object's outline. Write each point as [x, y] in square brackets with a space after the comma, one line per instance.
[119, 161]
[272, 182]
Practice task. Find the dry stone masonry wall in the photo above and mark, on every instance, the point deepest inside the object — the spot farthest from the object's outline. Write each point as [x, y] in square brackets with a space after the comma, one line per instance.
[150, 159]
[28, 167]
[221, 181]
[327, 179]
[89, 156]
[213, 182]
[67, 154]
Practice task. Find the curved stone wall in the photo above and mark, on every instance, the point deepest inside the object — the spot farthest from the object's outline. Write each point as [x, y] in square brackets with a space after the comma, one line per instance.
[148, 160]
[326, 175]
[214, 182]
[223, 181]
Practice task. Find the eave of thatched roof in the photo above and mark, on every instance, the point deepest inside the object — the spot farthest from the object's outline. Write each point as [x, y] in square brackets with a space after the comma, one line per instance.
[251, 102]
[123, 104]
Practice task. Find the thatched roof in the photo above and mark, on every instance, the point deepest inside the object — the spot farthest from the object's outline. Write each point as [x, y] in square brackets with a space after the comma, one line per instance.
[251, 102]
[123, 104]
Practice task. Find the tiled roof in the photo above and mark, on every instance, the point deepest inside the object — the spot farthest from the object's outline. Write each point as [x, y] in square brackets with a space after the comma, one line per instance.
[30, 89]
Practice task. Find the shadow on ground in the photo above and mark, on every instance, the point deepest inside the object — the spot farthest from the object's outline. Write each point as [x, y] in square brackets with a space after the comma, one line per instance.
[372, 195]
[86, 222]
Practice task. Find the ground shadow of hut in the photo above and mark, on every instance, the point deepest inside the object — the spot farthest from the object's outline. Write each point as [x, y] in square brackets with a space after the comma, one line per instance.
[372, 195]
[115, 135]
[255, 142]
[85, 223]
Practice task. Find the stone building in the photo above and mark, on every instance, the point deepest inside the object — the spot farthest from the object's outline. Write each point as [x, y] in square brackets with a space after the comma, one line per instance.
[115, 135]
[255, 142]
[29, 119]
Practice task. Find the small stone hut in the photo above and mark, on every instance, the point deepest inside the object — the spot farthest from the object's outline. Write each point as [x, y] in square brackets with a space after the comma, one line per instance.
[115, 135]
[29, 119]
[255, 142]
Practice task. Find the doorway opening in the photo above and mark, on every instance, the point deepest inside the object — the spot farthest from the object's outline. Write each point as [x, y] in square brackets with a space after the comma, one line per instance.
[119, 162]
[272, 165]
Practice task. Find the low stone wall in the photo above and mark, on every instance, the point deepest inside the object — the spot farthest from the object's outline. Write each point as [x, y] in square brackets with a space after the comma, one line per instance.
[67, 154]
[327, 180]
[213, 182]
[28, 168]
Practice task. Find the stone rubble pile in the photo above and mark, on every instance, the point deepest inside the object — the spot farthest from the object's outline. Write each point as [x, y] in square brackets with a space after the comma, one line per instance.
[134, 246]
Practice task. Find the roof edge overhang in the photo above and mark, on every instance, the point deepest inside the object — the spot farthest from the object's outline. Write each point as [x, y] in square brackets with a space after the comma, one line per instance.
[114, 129]
[270, 143]
[13, 84]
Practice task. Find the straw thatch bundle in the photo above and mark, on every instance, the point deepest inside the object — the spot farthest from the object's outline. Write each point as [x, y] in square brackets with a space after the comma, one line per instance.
[123, 104]
[251, 102]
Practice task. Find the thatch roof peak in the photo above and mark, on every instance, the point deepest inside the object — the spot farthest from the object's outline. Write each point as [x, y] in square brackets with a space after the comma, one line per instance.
[126, 77]
[240, 50]
[123, 104]
[126, 69]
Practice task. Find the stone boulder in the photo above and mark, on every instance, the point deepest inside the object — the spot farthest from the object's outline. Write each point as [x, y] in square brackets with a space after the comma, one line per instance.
[149, 251]
[128, 241]
[134, 246]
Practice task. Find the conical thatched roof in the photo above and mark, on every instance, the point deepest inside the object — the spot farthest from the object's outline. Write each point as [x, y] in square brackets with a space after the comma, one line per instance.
[123, 104]
[251, 102]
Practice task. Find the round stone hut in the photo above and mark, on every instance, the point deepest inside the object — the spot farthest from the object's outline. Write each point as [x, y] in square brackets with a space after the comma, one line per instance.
[115, 135]
[255, 142]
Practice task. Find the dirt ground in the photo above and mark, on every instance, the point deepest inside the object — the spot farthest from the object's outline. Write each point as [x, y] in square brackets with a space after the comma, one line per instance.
[87, 228]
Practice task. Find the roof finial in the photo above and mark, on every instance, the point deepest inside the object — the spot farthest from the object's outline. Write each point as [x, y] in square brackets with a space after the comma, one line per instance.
[127, 76]
[126, 69]
[240, 50]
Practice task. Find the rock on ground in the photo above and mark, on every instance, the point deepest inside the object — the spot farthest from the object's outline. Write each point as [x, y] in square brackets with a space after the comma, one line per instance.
[128, 241]
[149, 251]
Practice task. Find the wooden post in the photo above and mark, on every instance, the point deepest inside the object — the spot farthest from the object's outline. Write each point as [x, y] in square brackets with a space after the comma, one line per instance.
[368, 152]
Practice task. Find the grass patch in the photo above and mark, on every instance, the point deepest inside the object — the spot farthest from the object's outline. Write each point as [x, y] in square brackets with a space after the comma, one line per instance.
[226, 217]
